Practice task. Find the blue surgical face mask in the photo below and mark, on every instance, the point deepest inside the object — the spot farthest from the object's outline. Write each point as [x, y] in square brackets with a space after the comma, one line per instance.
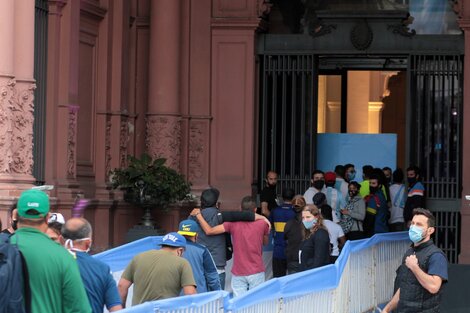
[351, 175]
[309, 224]
[415, 233]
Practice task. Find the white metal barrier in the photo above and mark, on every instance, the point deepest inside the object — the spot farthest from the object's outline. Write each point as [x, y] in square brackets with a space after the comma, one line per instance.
[365, 278]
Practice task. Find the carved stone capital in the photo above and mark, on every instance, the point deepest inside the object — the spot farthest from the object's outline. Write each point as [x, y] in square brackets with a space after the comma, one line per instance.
[164, 138]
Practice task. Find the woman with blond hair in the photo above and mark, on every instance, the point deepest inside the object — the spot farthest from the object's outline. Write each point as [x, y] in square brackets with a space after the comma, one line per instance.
[315, 248]
[293, 235]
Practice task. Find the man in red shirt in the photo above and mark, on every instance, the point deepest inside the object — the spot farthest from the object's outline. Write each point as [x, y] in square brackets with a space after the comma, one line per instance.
[248, 239]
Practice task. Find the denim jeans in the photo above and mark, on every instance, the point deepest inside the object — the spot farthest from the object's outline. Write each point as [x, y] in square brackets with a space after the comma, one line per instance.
[241, 284]
[222, 280]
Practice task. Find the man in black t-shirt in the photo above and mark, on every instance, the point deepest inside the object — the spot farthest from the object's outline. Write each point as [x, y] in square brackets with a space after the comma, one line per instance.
[268, 194]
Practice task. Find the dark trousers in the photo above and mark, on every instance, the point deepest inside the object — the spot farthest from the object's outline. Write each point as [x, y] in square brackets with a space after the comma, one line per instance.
[293, 267]
[355, 235]
[222, 280]
[397, 227]
[279, 267]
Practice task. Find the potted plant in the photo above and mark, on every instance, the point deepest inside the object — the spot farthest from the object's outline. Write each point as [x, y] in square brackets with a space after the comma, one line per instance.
[149, 183]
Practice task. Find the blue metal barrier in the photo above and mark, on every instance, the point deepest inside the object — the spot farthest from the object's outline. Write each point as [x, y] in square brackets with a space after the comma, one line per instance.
[361, 278]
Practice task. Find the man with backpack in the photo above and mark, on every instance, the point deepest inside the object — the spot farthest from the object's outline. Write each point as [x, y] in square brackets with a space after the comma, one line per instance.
[53, 276]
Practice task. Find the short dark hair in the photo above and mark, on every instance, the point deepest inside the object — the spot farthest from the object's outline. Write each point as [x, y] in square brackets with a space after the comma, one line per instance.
[386, 168]
[288, 194]
[55, 226]
[317, 172]
[340, 170]
[398, 175]
[415, 169]
[326, 212]
[367, 170]
[355, 184]
[248, 203]
[375, 176]
[428, 214]
[347, 166]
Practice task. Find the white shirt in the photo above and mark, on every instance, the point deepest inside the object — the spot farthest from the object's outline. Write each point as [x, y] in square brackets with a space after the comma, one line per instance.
[335, 231]
[308, 195]
[398, 199]
[336, 202]
[343, 187]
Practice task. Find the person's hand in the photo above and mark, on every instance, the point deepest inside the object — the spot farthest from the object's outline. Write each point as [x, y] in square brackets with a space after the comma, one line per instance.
[195, 212]
[411, 261]
[345, 212]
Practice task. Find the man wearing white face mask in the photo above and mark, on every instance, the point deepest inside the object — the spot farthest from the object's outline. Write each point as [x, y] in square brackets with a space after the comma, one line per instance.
[99, 284]
[423, 271]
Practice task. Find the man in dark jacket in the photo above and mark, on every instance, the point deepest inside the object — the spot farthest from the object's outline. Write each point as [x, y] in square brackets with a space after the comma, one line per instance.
[415, 197]
[376, 220]
[422, 272]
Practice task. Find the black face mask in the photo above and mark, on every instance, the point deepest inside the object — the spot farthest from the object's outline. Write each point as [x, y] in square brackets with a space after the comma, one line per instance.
[411, 180]
[318, 184]
[373, 189]
[14, 224]
[352, 194]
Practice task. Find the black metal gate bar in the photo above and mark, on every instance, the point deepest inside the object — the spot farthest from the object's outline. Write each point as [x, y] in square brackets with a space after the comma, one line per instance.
[436, 89]
[40, 73]
[288, 119]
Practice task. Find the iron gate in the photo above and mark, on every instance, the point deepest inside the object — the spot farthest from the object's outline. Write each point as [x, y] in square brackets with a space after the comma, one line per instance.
[435, 131]
[288, 119]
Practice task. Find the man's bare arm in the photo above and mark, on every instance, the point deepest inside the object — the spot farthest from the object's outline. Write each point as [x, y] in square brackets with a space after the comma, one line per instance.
[123, 287]
[208, 230]
[189, 290]
[264, 209]
[392, 305]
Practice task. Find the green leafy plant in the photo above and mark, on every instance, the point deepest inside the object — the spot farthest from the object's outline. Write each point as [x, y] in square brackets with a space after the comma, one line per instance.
[149, 182]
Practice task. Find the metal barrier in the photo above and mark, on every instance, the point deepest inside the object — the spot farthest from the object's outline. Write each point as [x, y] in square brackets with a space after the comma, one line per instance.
[361, 279]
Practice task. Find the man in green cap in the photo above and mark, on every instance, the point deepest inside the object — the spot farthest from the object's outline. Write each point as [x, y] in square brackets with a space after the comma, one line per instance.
[54, 279]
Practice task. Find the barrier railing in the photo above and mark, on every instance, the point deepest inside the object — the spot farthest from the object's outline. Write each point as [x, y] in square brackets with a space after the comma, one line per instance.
[361, 278]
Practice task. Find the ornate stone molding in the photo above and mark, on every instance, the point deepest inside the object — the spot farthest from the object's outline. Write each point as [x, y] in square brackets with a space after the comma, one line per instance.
[72, 141]
[123, 140]
[361, 35]
[22, 130]
[388, 75]
[7, 95]
[197, 150]
[164, 138]
[107, 147]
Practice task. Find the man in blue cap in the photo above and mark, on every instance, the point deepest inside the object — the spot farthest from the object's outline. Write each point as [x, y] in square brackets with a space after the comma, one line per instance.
[202, 263]
[158, 274]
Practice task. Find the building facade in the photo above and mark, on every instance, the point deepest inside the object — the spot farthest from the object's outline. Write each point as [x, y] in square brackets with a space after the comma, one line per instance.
[85, 83]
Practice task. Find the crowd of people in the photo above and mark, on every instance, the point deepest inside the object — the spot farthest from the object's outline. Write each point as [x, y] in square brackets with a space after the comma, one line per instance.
[308, 231]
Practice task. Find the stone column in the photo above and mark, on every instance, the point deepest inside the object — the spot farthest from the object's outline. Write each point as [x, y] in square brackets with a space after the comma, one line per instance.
[375, 117]
[16, 95]
[464, 257]
[164, 113]
[22, 112]
[7, 85]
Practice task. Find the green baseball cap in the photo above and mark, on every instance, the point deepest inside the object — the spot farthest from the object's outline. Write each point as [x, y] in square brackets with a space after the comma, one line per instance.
[33, 204]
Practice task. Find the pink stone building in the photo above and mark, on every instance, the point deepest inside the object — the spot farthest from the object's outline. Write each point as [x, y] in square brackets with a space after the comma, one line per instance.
[91, 81]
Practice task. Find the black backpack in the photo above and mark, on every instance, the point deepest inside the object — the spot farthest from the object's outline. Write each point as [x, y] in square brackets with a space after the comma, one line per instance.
[13, 275]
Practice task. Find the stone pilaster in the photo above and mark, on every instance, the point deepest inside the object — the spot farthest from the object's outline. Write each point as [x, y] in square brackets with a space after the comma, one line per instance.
[164, 138]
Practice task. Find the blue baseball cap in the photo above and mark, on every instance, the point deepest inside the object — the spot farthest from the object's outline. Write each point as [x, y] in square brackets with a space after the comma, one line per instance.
[174, 240]
[188, 228]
